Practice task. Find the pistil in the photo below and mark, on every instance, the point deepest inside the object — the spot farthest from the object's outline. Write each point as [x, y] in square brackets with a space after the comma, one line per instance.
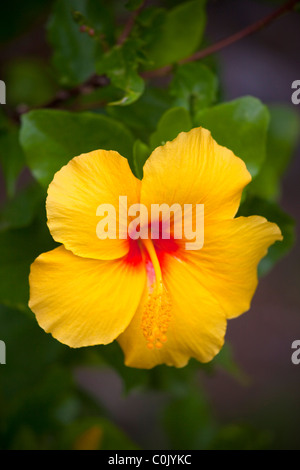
[157, 308]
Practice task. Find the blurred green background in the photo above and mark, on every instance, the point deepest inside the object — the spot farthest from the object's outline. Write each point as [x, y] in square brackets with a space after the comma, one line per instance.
[52, 397]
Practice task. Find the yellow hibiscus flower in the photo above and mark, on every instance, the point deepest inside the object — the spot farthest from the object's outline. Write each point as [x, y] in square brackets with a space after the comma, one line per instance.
[161, 302]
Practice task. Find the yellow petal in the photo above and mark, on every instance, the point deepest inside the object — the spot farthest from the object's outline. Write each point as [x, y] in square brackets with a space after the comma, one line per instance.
[227, 263]
[74, 195]
[83, 302]
[196, 325]
[194, 169]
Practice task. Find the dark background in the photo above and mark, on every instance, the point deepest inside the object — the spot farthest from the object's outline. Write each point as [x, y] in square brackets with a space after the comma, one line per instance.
[263, 65]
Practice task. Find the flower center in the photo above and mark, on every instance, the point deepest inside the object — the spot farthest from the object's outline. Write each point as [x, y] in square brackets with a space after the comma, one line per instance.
[156, 315]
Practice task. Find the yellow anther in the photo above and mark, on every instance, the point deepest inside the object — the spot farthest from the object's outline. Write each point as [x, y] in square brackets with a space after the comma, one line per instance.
[156, 333]
[156, 316]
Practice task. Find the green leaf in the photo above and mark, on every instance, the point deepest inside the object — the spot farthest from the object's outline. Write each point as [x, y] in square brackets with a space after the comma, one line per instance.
[133, 89]
[18, 249]
[133, 4]
[98, 98]
[22, 208]
[173, 121]
[36, 409]
[30, 351]
[143, 115]
[177, 35]
[12, 158]
[4, 123]
[189, 411]
[242, 437]
[283, 135]
[240, 125]
[141, 152]
[272, 212]
[194, 87]
[31, 82]
[120, 64]
[75, 52]
[51, 138]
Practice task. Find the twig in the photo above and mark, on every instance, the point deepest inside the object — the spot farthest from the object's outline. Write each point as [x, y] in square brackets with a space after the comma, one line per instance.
[253, 28]
[129, 25]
